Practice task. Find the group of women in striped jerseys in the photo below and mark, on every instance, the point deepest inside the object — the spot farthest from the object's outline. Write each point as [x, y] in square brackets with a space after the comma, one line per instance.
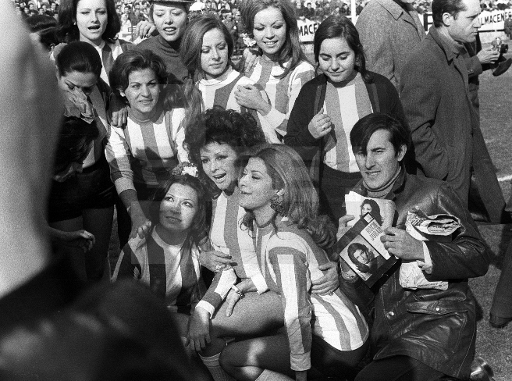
[273, 309]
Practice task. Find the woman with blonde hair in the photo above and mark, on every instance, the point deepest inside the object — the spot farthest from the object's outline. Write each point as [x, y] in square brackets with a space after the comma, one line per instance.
[328, 331]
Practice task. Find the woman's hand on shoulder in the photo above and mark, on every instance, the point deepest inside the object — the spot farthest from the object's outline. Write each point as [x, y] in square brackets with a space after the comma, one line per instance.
[320, 125]
[118, 111]
[215, 260]
[141, 226]
[327, 284]
[144, 29]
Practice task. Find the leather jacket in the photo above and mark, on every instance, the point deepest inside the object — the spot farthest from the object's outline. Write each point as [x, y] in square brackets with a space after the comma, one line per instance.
[435, 327]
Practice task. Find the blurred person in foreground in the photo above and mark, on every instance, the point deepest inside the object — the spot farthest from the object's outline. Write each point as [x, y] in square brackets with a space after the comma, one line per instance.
[51, 326]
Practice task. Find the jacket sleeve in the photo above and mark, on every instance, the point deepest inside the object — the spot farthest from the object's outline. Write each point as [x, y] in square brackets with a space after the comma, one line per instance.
[290, 266]
[377, 45]
[420, 98]
[466, 256]
[298, 135]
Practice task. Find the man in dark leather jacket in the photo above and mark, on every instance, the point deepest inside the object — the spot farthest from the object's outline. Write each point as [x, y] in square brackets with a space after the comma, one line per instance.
[427, 333]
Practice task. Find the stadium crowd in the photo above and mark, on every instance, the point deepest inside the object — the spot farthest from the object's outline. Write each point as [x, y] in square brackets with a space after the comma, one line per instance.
[228, 183]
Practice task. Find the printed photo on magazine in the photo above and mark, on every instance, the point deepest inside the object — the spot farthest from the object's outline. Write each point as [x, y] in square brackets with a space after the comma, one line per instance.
[361, 248]
[382, 210]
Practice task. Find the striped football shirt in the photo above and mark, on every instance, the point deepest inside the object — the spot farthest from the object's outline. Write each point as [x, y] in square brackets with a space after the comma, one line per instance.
[146, 152]
[281, 92]
[172, 275]
[289, 259]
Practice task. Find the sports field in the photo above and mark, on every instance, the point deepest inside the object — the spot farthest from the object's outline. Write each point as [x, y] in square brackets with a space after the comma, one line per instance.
[495, 345]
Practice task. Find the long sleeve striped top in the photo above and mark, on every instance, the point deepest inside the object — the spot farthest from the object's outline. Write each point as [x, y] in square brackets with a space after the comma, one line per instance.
[281, 92]
[289, 259]
[171, 274]
[145, 152]
[222, 93]
[228, 236]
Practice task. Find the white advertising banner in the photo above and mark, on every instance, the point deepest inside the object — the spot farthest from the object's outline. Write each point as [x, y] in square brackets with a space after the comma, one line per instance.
[493, 21]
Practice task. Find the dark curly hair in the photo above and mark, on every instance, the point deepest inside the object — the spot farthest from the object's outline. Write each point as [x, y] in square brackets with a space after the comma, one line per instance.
[199, 229]
[67, 30]
[217, 125]
[300, 201]
[134, 60]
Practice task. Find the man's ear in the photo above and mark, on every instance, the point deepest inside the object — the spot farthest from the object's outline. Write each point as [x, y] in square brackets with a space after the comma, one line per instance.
[402, 152]
[447, 19]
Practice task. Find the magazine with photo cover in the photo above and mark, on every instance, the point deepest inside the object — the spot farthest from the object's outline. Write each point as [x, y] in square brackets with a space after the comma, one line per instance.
[361, 248]
[382, 210]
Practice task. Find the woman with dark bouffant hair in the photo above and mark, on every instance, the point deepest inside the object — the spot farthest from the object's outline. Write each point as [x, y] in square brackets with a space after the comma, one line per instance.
[371, 206]
[167, 258]
[143, 154]
[216, 140]
[280, 67]
[95, 22]
[324, 331]
[329, 105]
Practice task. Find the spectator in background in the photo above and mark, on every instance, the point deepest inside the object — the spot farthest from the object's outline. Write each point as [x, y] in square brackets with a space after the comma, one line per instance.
[309, 11]
[170, 19]
[508, 26]
[436, 98]
[389, 30]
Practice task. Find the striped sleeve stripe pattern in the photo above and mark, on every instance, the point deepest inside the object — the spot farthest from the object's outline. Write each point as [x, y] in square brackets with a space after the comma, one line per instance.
[281, 92]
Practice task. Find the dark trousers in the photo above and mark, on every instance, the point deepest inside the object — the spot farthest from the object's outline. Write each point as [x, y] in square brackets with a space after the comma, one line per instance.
[399, 368]
[502, 301]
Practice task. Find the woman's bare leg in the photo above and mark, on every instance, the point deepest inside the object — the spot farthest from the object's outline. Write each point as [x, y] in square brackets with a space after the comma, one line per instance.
[254, 315]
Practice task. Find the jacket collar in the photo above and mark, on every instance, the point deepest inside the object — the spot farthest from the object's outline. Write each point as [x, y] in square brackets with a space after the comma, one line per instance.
[449, 49]
[398, 186]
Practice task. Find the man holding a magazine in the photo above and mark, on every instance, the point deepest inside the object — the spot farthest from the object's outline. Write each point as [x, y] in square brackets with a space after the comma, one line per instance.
[424, 317]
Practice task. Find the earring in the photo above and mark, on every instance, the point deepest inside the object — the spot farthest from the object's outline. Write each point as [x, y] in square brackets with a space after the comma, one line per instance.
[74, 23]
[277, 204]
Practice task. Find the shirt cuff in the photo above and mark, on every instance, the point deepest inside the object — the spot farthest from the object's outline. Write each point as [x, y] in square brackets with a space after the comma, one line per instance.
[259, 282]
[300, 362]
[123, 184]
[206, 306]
[426, 264]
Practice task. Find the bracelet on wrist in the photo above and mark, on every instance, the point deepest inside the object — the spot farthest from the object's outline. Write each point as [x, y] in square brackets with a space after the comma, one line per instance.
[238, 291]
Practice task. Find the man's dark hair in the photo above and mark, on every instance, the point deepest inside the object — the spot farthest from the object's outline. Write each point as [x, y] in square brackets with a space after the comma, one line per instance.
[366, 127]
[440, 7]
